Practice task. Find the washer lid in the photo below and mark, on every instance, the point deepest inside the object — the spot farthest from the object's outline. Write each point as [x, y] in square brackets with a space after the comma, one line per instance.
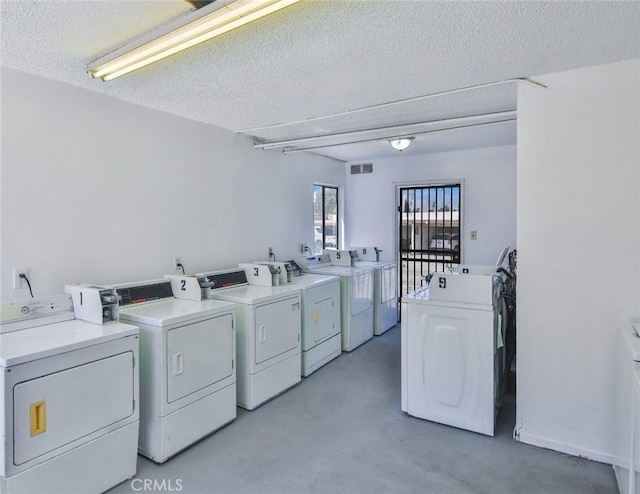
[309, 280]
[253, 294]
[39, 342]
[372, 264]
[172, 311]
[340, 270]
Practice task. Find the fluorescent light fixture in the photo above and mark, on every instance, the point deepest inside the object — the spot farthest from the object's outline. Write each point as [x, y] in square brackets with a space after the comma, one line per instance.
[230, 16]
[401, 144]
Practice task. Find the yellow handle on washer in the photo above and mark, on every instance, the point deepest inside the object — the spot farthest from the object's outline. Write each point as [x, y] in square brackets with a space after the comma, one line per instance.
[38, 421]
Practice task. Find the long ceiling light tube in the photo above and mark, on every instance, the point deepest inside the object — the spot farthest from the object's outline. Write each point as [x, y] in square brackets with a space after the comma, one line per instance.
[390, 132]
[203, 28]
[393, 103]
[372, 139]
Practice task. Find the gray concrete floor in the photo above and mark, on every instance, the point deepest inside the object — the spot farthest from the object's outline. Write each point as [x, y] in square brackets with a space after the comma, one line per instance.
[341, 430]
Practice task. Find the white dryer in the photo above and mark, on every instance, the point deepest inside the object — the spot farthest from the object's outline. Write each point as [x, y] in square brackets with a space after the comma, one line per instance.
[321, 327]
[356, 298]
[451, 351]
[385, 288]
[626, 459]
[269, 324]
[69, 414]
[187, 369]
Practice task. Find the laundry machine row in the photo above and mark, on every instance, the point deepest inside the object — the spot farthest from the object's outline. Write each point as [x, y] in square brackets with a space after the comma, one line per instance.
[385, 287]
[320, 298]
[70, 399]
[356, 293]
[268, 328]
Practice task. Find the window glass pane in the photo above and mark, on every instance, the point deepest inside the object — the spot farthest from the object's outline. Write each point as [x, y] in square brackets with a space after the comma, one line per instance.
[325, 217]
[330, 217]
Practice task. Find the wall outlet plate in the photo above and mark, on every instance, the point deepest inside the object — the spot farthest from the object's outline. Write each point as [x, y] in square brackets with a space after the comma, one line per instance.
[176, 261]
[20, 283]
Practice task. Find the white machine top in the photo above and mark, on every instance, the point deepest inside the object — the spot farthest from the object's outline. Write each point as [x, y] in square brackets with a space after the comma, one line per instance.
[423, 296]
[419, 294]
[309, 280]
[39, 342]
[152, 303]
[254, 294]
[172, 311]
[372, 264]
[631, 334]
[339, 270]
[321, 264]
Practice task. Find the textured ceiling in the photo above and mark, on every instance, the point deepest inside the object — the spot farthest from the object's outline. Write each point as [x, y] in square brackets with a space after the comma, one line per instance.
[319, 58]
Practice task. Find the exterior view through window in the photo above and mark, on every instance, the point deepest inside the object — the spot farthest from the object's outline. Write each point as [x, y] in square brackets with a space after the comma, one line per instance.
[325, 217]
[429, 236]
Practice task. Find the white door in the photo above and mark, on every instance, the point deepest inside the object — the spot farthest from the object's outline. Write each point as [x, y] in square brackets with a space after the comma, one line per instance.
[277, 328]
[199, 355]
[450, 366]
[322, 314]
[59, 408]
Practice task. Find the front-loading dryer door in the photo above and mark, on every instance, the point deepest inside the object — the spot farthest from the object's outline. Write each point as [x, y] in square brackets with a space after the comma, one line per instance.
[321, 314]
[57, 409]
[198, 355]
[277, 328]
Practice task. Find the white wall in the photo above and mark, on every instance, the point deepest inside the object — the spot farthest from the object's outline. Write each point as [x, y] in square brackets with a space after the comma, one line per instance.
[98, 190]
[578, 251]
[489, 199]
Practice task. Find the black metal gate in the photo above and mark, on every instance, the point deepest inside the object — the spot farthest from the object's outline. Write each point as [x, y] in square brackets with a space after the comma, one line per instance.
[429, 236]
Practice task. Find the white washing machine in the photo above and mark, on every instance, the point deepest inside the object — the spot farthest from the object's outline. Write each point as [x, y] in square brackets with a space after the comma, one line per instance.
[450, 351]
[187, 369]
[269, 324]
[69, 414]
[385, 288]
[626, 462]
[321, 327]
[356, 298]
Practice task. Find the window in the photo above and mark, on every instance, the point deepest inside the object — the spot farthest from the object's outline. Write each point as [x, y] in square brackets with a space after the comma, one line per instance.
[325, 217]
[429, 236]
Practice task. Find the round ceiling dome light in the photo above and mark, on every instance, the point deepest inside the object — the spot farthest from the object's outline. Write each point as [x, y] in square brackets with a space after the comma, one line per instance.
[401, 144]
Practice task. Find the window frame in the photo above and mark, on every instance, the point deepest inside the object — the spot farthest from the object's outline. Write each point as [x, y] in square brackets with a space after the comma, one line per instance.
[323, 215]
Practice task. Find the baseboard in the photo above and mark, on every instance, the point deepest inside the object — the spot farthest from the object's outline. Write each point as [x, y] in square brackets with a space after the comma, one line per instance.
[569, 449]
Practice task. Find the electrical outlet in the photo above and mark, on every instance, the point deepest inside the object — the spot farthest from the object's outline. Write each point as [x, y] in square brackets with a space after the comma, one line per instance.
[176, 261]
[18, 282]
[270, 251]
[474, 235]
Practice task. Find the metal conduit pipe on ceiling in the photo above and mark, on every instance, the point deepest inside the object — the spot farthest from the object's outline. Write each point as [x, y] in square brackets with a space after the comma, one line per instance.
[391, 132]
[392, 103]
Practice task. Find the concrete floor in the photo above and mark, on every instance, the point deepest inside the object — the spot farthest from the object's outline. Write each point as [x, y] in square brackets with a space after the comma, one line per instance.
[341, 430]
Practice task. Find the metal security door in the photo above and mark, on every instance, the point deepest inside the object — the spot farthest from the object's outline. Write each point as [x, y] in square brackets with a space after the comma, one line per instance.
[429, 232]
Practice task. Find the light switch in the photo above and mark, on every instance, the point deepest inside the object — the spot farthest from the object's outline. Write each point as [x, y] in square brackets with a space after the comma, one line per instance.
[474, 235]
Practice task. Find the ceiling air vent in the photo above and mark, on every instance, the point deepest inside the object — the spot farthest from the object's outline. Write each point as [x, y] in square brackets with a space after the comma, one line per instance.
[363, 168]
